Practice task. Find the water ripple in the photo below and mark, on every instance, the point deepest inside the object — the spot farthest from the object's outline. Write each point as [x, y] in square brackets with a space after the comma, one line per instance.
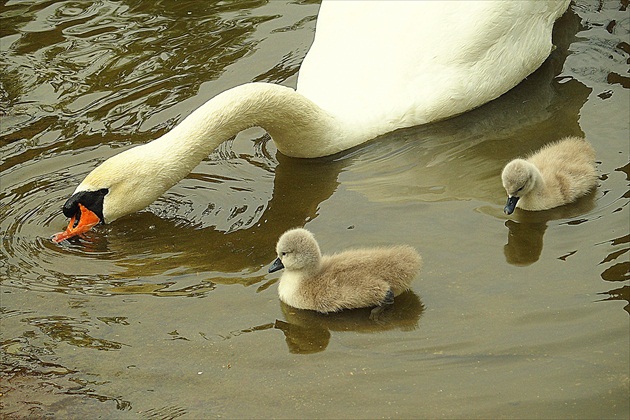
[81, 81]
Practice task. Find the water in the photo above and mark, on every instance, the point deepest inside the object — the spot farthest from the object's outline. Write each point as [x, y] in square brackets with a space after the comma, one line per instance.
[170, 312]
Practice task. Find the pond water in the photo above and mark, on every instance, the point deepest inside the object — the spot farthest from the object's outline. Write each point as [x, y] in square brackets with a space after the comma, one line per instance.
[170, 312]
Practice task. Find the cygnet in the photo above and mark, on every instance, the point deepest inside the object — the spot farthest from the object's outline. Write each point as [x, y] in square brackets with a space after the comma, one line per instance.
[355, 278]
[557, 174]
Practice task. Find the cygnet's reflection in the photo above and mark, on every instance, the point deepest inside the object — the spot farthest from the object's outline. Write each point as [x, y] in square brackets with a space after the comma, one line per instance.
[524, 242]
[309, 331]
[527, 228]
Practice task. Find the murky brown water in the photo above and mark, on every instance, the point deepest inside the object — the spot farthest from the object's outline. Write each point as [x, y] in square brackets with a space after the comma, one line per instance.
[170, 312]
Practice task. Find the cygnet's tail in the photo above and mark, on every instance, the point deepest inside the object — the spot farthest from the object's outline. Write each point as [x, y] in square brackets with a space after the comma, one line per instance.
[402, 267]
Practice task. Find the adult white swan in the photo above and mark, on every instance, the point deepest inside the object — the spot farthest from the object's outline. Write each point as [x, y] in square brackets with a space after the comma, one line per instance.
[373, 67]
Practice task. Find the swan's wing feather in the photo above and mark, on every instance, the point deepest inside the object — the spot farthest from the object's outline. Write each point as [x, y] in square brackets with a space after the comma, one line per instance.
[405, 63]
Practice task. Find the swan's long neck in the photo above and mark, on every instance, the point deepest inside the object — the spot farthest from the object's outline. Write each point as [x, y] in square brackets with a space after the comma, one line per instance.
[299, 127]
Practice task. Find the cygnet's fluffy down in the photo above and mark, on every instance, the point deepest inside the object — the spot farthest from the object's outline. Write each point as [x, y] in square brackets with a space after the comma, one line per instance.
[356, 278]
[557, 174]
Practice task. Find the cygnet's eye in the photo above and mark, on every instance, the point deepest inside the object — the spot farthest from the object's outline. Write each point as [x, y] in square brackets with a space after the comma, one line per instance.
[283, 253]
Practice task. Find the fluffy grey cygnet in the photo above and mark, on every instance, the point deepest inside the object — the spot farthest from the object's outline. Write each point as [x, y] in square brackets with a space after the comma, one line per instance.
[557, 174]
[357, 278]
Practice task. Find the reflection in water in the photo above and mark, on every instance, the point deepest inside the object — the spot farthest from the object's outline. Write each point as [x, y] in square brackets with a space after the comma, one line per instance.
[102, 69]
[618, 271]
[299, 186]
[525, 242]
[309, 331]
[622, 293]
[304, 340]
[527, 228]
[617, 262]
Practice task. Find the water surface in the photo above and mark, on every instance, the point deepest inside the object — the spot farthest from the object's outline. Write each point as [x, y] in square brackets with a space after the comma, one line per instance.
[170, 312]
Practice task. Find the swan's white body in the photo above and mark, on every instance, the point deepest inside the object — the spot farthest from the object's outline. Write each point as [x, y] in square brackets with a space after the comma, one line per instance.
[392, 64]
[373, 67]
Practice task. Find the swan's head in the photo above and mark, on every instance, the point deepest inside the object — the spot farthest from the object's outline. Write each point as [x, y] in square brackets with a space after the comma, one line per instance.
[121, 185]
[518, 178]
[297, 250]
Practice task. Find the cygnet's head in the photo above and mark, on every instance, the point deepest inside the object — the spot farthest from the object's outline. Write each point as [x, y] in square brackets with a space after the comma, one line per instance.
[518, 180]
[297, 250]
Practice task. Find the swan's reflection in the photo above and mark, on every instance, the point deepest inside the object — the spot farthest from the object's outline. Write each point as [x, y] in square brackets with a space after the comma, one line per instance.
[152, 245]
[309, 331]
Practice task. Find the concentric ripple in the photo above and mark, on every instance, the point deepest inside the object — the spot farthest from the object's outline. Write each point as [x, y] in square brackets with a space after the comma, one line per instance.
[83, 81]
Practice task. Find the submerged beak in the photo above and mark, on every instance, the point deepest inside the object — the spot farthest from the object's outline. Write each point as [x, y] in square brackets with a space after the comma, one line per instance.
[87, 220]
[510, 205]
[277, 265]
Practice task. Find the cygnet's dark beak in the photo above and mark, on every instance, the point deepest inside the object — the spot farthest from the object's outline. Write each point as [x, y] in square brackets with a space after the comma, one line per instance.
[510, 205]
[277, 265]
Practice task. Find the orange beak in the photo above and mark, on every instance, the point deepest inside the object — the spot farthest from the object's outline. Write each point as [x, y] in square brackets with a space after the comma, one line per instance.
[87, 220]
